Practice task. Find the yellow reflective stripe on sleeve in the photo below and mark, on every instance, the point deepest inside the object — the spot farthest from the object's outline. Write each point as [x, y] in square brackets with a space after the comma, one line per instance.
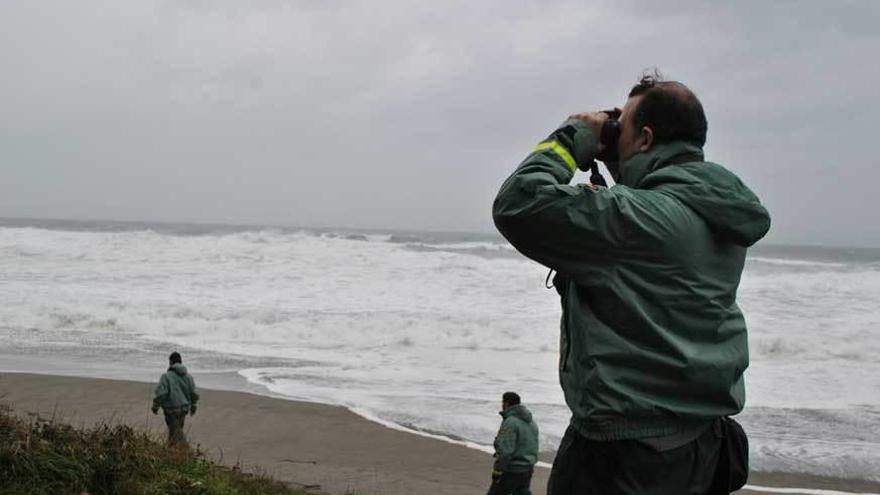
[559, 150]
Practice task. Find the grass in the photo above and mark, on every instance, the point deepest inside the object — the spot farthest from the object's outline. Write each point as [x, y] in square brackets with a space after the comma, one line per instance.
[43, 457]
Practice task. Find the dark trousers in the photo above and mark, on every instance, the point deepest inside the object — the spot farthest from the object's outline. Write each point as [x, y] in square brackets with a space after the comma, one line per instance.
[511, 484]
[586, 467]
[175, 419]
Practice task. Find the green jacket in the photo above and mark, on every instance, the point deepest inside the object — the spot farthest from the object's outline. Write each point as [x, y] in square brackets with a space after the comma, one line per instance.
[516, 445]
[176, 390]
[652, 340]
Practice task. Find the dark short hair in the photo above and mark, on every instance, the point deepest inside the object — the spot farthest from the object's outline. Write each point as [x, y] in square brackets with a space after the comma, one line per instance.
[511, 398]
[670, 109]
[174, 358]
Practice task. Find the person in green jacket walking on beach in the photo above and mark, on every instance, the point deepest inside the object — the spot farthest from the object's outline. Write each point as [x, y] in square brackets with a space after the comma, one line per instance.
[653, 345]
[176, 395]
[516, 449]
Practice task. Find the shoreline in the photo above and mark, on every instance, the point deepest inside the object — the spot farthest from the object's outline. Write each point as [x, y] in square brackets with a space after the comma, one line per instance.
[370, 456]
[306, 444]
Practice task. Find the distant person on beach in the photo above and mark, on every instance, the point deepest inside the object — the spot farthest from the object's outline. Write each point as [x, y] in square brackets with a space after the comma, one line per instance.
[516, 449]
[653, 345]
[176, 395]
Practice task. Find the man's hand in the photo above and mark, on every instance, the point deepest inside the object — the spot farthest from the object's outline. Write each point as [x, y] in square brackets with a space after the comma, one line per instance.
[192, 410]
[155, 409]
[496, 475]
[593, 119]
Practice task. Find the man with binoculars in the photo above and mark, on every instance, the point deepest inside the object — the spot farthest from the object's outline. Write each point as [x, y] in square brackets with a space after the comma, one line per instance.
[653, 345]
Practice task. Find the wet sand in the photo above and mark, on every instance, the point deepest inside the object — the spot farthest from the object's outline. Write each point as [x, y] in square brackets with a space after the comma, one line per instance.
[325, 447]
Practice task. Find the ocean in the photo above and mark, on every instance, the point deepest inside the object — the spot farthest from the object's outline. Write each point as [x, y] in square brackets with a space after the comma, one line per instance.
[416, 330]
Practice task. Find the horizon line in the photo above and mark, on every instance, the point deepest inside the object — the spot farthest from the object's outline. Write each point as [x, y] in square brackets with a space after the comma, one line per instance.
[270, 225]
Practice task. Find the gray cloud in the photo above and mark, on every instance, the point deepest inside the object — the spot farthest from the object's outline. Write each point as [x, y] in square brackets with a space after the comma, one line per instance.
[408, 115]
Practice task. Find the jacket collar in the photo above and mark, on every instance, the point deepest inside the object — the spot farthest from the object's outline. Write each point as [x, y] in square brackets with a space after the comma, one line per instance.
[638, 166]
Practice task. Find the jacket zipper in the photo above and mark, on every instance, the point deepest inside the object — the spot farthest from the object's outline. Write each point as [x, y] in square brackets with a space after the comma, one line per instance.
[566, 330]
[560, 283]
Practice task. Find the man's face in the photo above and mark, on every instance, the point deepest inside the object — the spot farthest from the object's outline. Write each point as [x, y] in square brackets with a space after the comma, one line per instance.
[631, 140]
[504, 405]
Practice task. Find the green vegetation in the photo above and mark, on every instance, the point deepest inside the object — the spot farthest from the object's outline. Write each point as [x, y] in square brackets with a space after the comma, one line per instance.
[39, 456]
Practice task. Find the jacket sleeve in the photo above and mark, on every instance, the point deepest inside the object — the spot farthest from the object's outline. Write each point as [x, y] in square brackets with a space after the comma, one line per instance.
[161, 392]
[505, 445]
[193, 395]
[559, 225]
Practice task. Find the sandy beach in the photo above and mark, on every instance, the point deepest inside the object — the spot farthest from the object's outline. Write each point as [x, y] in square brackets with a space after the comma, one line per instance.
[324, 447]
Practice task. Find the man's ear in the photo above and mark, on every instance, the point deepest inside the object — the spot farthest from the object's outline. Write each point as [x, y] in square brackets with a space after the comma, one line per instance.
[647, 138]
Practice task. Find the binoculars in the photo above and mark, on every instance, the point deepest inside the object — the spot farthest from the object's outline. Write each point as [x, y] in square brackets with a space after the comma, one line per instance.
[608, 138]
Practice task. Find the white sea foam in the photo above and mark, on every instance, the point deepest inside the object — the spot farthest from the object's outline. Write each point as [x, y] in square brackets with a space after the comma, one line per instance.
[426, 334]
[796, 263]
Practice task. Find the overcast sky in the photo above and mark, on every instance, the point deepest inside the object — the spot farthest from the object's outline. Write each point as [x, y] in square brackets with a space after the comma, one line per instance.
[409, 115]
